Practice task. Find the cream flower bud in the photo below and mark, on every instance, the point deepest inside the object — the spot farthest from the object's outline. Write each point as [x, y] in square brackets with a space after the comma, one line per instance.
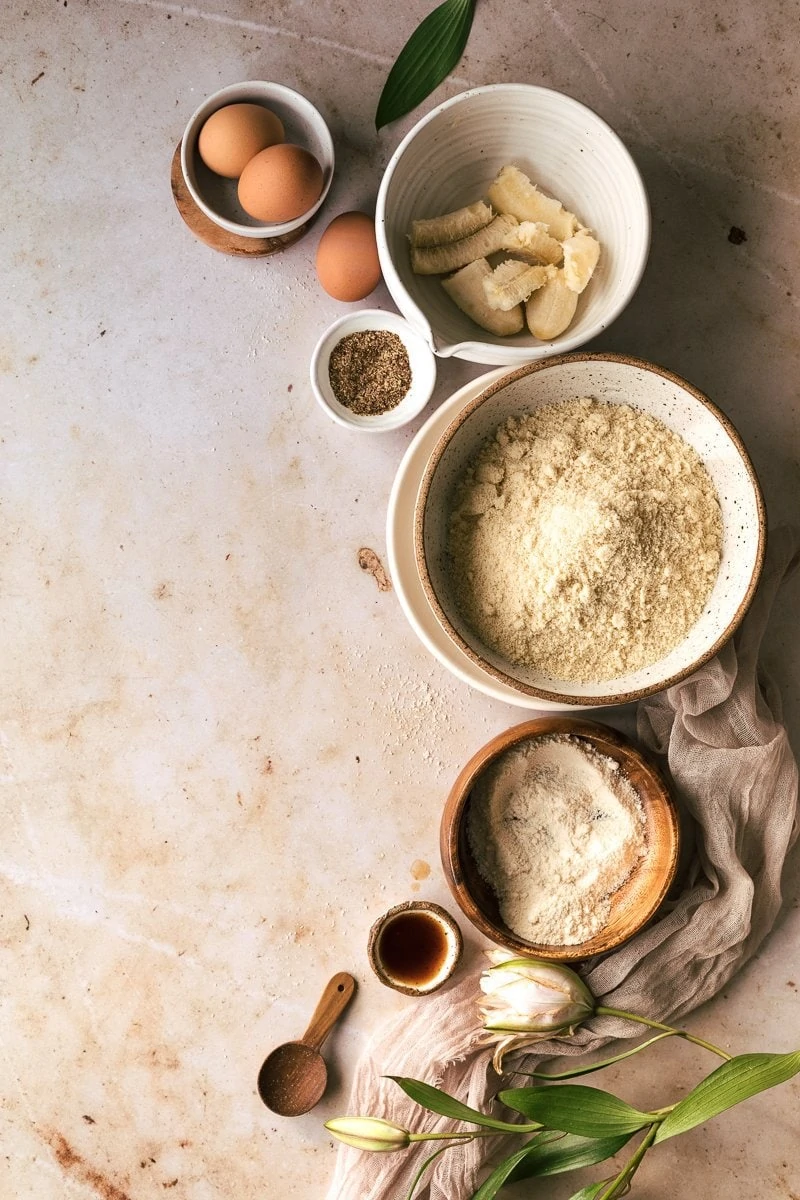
[526, 1000]
[526, 995]
[369, 1133]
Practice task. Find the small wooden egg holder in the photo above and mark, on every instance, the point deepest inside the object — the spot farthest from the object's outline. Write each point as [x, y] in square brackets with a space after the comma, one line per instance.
[220, 239]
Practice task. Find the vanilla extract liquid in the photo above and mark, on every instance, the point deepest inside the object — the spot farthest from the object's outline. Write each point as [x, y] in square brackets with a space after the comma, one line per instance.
[413, 948]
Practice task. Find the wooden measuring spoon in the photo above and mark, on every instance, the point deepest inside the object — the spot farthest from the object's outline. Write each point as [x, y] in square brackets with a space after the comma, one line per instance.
[293, 1077]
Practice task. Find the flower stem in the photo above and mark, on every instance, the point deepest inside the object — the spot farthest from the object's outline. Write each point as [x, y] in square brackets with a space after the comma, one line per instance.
[618, 1185]
[602, 1011]
[598, 1066]
[465, 1135]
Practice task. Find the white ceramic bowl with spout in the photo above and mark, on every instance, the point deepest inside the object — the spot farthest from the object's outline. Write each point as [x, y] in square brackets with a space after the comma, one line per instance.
[449, 159]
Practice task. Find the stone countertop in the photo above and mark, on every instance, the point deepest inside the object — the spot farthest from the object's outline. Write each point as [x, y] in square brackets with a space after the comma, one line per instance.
[224, 752]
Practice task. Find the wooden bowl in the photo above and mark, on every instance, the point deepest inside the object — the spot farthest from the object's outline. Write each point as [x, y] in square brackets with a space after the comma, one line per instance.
[632, 906]
[424, 955]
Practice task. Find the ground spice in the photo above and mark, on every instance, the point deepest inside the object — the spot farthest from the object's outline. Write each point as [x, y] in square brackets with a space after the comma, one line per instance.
[369, 371]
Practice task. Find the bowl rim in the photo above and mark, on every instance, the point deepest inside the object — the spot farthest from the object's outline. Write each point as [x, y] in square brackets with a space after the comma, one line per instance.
[473, 349]
[606, 740]
[420, 514]
[421, 358]
[236, 93]
[452, 958]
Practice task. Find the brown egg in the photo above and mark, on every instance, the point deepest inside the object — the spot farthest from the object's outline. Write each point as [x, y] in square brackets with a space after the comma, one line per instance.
[280, 183]
[236, 133]
[347, 257]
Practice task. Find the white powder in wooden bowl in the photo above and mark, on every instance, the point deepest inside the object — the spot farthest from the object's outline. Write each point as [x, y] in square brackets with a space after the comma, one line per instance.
[555, 829]
[585, 539]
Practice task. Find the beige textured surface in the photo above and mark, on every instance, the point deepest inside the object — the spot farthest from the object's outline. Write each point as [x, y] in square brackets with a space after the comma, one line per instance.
[224, 752]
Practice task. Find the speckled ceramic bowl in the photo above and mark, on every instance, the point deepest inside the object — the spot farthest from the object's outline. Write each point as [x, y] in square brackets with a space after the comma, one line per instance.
[682, 408]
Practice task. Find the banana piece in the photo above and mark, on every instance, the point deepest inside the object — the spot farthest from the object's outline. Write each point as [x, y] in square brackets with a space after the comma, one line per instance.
[450, 227]
[465, 289]
[581, 253]
[512, 283]
[550, 309]
[440, 260]
[531, 241]
[512, 192]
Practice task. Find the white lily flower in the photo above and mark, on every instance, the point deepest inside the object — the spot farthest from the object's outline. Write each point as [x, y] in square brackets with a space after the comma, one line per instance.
[526, 1000]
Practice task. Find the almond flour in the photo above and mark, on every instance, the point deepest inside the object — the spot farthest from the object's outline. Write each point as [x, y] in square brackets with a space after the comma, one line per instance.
[585, 540]
[555, 829]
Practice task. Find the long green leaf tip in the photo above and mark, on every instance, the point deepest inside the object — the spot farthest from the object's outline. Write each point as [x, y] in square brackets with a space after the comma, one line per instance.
[735, 1081]
[428, 57]
[437, 1101]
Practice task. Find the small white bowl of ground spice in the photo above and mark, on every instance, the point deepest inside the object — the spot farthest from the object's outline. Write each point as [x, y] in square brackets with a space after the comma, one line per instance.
[372, 371]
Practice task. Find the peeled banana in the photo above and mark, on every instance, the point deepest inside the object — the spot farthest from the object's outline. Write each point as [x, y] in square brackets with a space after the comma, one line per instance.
[513, 282]
[465, 288]
[552, 257]
[550, 309]
[439, 260]
[581, 253]
[531, 241]
[512, 192]
[452, 226]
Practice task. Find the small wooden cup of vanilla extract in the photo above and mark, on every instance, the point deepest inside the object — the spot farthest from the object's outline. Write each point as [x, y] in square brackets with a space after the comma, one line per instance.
[415, 947]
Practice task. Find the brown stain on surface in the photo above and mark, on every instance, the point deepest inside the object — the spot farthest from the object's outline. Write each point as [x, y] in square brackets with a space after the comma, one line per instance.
[72, 1164]
[369, 561]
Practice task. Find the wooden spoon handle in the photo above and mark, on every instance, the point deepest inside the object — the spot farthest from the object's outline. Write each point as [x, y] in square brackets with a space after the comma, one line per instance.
[334, 1000]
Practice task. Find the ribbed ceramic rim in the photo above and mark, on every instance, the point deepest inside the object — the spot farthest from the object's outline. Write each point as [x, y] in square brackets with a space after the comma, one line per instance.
[515, 354]
[419, 530]
[290, 98]
[605, 740]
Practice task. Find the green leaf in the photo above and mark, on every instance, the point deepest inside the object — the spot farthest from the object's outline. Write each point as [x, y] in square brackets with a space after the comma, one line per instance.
[491, 1186]
[437, 1101]
[574, 1109]
[423, 1169]
[427, 58]
[734, 1081]
[568, 1153]
[590, 1191]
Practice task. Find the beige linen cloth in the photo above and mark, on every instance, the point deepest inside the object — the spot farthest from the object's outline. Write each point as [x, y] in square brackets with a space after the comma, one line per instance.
[733, 771]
